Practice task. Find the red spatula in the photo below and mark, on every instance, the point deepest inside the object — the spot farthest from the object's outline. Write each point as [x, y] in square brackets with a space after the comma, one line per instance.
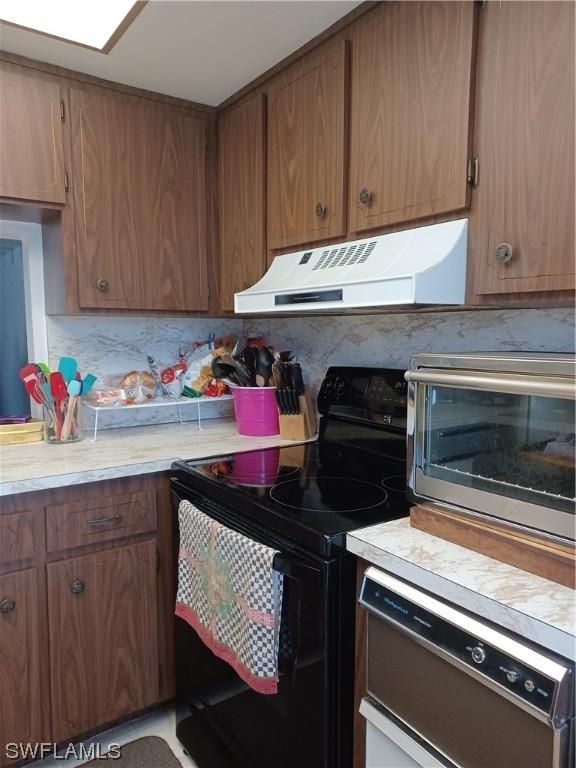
[59, 393]
[28, 375]
[58, 386]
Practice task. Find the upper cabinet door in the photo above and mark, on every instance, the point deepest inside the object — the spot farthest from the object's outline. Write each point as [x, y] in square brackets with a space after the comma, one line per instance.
[306, 150]
[241, 197]
[525, 141]
[174, 269]
[139, 198]
[410, 112]
[31, 146]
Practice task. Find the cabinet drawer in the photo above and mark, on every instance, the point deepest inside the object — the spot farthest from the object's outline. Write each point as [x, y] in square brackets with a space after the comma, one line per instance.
[16, 537]
[81, 523]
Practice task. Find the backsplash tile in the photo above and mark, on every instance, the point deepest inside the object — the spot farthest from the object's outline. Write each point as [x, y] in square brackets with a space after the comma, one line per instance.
[390, 340]
[113, 345]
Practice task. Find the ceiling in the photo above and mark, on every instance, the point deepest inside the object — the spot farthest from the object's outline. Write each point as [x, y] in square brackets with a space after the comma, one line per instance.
[197, 50]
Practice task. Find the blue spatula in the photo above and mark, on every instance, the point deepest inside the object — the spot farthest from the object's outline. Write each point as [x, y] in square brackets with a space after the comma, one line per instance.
[68, 367]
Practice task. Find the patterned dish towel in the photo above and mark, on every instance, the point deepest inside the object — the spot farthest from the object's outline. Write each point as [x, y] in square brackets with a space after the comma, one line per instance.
[230, 594]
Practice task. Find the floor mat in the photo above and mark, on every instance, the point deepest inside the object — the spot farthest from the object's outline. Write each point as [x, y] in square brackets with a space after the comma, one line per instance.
[148, 752]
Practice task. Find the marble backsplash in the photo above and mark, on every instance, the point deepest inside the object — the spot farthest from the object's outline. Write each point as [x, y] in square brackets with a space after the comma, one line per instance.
[111, 346]
[391, 340]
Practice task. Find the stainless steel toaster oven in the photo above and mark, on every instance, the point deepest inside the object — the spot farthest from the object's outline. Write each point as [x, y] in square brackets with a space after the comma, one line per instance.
[494, 435]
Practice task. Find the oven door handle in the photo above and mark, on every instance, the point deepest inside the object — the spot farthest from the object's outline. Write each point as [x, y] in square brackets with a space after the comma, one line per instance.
[545, 386]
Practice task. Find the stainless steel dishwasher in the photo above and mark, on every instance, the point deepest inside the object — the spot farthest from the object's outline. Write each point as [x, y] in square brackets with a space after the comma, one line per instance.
[448, 689]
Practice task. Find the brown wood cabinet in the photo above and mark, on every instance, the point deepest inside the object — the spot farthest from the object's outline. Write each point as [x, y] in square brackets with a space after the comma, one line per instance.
[525, 143]
[103, 649]
[411, 87]
[86, 611]
[307, 119]
[20, 659]
[139, 189]
[241, 197]
[31, 145]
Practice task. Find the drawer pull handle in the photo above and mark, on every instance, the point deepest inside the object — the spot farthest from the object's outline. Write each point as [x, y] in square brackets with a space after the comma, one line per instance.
[77, 587]
[103, 285]
[105, 521]
[7, 605]
[321, 210]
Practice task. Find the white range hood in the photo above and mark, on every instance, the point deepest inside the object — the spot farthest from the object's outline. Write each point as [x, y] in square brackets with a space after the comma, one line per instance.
[426, 265]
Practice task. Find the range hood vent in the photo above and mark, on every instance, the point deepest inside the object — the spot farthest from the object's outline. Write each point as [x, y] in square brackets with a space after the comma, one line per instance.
[425, 265]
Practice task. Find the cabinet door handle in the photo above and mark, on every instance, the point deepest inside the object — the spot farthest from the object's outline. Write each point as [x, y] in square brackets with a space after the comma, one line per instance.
[77, 587]
[105, 521]
[365, 196]
[7, 605]
[103, 285]
[504, 253]
[321, 210]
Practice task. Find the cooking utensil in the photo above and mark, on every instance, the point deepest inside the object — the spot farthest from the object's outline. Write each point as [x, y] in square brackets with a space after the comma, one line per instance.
[264, 367]
[243, 374]
[58, 386]
[88, 383]
[29, 376]
[222, 370]
[74, 390]
[68, 367]
[250, 358]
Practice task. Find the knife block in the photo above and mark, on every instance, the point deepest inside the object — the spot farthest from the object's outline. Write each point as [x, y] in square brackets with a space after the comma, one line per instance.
[301, 426]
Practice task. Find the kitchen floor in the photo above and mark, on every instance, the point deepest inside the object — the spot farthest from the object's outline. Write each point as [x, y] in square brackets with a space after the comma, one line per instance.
[160, 723]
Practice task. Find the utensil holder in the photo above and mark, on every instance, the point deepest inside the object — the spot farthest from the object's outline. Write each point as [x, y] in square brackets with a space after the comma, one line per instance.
[63, 421]
[256, 411]
[300, 426]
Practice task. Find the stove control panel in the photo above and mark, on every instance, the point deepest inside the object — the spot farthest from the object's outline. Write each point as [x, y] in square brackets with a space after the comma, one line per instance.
[375, 393]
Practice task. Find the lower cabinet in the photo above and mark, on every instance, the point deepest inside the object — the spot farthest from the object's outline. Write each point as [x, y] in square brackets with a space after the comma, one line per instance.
[20, 660]
[86, 609]
[102, 615]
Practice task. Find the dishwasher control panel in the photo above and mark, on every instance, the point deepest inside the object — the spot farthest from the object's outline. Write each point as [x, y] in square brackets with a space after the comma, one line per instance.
[504, 661]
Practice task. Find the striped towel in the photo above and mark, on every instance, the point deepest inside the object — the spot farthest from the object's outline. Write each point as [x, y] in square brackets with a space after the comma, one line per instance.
[230, 594]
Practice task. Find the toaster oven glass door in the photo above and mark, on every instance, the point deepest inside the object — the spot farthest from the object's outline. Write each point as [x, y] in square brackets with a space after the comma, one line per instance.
[475, 443]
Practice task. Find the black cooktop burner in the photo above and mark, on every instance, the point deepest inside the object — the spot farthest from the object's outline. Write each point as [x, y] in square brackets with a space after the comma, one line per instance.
[395, 483]
[329, 494]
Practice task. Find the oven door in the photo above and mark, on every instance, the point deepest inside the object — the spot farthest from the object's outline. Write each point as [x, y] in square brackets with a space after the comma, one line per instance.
[498, 444]
[221, 720]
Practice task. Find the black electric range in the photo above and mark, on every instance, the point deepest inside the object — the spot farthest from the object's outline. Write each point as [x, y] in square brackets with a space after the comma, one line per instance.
[301, 499]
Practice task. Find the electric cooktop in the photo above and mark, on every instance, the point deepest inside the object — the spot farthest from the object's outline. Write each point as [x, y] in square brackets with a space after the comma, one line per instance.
[352, 477]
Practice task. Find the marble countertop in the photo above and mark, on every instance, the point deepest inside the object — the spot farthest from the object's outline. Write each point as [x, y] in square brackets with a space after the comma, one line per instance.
[119, 453]
[535, 608]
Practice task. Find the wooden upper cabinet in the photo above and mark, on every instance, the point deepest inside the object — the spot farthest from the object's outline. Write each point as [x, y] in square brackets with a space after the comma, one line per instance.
[102, 612]
[307, 119]
[20, 660]
[31, 144]
[525, 142]
[241, 197]
[140, 200]
[411, 86]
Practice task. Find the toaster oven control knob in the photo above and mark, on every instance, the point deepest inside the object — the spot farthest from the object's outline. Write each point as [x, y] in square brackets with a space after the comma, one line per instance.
[512, 676]
[478, 654]
[529, 685]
